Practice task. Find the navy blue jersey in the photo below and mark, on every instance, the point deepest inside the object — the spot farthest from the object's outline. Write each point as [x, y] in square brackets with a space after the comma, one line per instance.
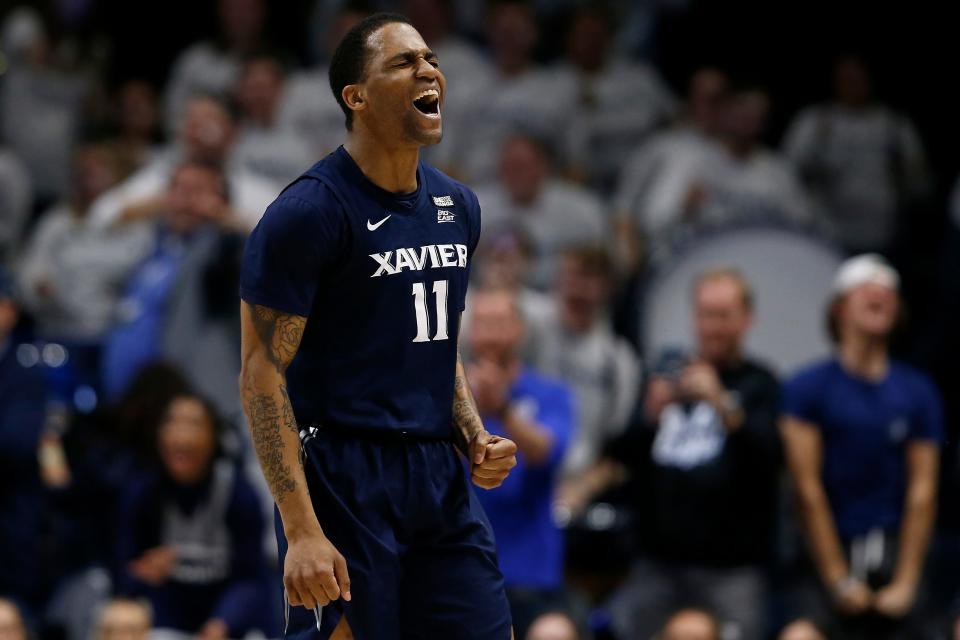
[381, 279]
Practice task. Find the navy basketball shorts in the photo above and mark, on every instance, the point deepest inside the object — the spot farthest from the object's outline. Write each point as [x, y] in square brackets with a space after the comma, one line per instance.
[419, 549]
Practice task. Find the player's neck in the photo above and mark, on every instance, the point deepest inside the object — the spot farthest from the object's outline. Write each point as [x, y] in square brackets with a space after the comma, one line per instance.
[864, 356]
[393, 170]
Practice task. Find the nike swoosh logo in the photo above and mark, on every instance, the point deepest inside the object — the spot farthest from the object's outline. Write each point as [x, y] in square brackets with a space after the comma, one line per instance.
[374, 227]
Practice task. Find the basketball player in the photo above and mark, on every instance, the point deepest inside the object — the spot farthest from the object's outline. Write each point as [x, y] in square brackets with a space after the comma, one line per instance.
[352, 287]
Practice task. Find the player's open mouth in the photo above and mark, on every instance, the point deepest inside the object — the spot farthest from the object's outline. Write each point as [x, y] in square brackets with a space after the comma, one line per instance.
[428, 103]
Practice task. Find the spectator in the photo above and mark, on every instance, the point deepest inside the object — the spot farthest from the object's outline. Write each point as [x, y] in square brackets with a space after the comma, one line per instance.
[554, 214]
[801, 629]
[705, 454]
[553, 625]
[502, 261]
[207, 135]
[194, 244]
[511, 98]
[22, 415]
[263, 148]
[862, 161]
[138, 120]
[616, 103]
[41, 102]
[656, 179]
[691, 624]
[72, 273]
[749, 182]
[212, 67]
[11, 622]
[190, 534]
[308, 107]
[578, 346]
[122, 619]
[537, 414]
[862, 434]
[15, 202]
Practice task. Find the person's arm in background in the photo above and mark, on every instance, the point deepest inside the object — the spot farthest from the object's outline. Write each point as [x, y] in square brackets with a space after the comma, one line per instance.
[804, 452]
[314, 571]
[920, 503]
[897, 598]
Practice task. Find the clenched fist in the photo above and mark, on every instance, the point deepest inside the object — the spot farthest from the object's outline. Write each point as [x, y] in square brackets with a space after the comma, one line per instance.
[491, 458]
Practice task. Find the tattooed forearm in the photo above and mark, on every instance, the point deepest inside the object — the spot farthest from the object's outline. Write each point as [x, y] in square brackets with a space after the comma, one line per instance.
[265, 425]
[466, 418]
[269, 342]
[279, 332]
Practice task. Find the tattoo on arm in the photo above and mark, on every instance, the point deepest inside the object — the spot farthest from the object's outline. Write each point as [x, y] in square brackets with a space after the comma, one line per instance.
[466, 418]
[280, 333]
[265, 419]
[268, 408]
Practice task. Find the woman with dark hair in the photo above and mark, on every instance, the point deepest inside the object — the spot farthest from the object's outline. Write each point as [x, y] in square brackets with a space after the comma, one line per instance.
[862, 434]
[190, 534]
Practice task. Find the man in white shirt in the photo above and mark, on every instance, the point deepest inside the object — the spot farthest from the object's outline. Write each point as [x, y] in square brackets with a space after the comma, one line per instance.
[657, 178]
[517, 95]
[578, 346]
[263, 147]
[554, 214]
[206, 135]
[212, 66]
[614, 103]
[862, 161]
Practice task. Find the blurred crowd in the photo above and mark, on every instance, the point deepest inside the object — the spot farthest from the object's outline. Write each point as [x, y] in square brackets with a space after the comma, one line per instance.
[681, 477]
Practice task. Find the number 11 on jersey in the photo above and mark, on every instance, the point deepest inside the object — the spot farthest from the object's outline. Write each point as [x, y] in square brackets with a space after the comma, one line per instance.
[423, 313]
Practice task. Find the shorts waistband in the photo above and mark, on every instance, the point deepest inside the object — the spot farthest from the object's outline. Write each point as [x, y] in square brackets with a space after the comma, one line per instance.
[313, 429]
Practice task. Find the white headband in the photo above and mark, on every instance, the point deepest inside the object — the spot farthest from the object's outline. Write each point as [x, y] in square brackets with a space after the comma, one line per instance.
[863, 269]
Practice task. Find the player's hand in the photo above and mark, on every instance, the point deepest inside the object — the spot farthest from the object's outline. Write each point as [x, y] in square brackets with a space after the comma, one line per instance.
[853, 597]
[491, 458]
[895, 600]
[314, 572]
[153, 566]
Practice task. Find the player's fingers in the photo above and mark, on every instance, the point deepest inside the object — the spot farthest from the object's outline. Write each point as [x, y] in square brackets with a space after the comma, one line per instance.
[501, 449]
[482, 471]
[293, 594]
[343, 576]
[486, 483]
[504, 464]
[478, 448]
[328, 583]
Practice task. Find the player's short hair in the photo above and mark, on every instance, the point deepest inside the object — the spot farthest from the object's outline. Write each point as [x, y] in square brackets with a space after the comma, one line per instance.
[349, 62]
[725, 272]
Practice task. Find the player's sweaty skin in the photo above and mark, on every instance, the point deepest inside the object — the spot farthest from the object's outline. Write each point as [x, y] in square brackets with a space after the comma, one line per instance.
[314, 571]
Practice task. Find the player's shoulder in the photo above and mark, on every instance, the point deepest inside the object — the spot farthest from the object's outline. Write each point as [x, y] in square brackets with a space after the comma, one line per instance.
[309, 199]
[444, 189]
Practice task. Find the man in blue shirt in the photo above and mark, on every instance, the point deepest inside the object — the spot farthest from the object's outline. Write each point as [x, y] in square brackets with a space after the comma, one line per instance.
[862, 434]
[536, 413]
[352, 287]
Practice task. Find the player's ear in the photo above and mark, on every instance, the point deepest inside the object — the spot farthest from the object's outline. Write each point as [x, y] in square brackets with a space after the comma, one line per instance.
[354, 97]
